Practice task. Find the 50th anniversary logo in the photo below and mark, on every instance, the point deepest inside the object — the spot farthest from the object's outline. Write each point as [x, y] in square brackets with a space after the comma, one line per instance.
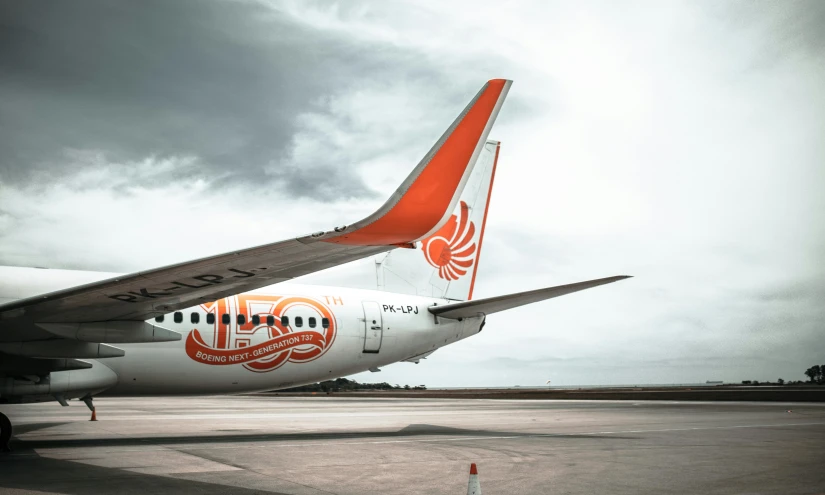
[254, 343]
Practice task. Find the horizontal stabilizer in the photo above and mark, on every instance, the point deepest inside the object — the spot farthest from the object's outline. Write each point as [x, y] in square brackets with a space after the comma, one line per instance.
[468, 309]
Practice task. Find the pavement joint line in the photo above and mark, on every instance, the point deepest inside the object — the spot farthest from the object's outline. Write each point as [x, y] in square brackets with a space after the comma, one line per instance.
[310, 443]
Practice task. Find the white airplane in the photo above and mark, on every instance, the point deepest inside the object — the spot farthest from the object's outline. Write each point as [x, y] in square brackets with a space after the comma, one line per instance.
[228, 323]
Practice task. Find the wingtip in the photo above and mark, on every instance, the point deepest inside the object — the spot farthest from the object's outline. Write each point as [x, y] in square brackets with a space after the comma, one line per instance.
[473, 469]
[427, 197]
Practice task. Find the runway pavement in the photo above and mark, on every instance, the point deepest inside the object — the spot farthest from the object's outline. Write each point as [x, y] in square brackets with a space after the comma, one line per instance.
[323, 445]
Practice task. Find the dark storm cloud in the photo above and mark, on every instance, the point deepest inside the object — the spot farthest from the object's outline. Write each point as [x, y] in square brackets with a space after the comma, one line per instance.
[221, 82]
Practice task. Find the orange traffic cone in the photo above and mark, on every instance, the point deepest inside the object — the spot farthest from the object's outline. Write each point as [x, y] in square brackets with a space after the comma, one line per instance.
[94, 416]
[474, 485]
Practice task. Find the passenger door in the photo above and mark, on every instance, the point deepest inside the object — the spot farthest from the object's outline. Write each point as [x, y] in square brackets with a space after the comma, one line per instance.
[373, 327]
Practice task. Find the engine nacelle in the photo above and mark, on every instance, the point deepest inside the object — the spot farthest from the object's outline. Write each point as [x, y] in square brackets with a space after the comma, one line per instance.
[66, 384]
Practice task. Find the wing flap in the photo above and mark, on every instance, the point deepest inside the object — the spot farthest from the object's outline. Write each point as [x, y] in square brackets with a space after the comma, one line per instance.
[468, 309]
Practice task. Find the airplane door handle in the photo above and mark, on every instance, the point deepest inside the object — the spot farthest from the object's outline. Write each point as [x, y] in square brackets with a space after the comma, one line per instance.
[375, 327]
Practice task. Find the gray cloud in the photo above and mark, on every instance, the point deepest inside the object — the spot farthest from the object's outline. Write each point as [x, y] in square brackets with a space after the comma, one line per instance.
[222, 82]
[788, 27]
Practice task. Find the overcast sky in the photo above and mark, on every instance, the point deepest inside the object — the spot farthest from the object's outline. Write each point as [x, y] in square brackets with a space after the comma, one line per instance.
[681, 143]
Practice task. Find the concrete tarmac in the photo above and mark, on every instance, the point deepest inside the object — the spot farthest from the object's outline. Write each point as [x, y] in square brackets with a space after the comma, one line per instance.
[323, 445]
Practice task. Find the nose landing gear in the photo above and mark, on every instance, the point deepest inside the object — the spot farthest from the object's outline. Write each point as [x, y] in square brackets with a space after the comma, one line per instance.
[5, 433]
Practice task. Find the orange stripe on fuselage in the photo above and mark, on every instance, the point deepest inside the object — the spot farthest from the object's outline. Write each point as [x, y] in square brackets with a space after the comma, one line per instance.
[428, 198]
[483, 224]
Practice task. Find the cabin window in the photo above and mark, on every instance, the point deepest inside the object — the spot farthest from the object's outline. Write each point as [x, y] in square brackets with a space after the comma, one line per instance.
[311, 321]
[241, 319]
[225, 319]
[256, 320]
[210, 319]
[299, 322]
[325, 322]
[270, 321]
[178, 317]
[159, 319]
[195, 318]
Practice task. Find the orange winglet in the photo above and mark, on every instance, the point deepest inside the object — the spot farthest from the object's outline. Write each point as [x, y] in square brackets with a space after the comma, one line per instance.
[425, 202]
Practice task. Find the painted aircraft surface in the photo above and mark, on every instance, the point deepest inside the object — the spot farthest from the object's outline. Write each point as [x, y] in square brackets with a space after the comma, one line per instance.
[233, 323]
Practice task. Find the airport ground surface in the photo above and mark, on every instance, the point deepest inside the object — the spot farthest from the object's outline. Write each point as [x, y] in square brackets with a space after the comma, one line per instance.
[761, 393]
[323, 445]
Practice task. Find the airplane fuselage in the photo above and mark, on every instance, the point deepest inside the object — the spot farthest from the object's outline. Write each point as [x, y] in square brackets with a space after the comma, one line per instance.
[272, 338]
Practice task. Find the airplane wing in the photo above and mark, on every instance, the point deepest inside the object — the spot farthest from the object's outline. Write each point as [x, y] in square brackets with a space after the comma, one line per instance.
[468, 309]
[420, 206]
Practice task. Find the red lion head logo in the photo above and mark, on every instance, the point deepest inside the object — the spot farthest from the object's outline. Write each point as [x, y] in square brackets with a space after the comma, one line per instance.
[452, 249]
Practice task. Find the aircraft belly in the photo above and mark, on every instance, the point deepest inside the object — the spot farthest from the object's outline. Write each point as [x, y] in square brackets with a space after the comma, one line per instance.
[167, 370]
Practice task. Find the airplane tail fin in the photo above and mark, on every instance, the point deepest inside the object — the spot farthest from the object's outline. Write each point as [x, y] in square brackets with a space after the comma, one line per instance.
[444, 264]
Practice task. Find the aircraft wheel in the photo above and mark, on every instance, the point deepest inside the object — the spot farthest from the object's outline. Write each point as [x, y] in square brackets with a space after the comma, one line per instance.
[5, 433]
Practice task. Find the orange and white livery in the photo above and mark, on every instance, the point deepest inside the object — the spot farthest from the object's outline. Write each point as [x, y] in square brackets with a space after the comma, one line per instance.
[235, 323]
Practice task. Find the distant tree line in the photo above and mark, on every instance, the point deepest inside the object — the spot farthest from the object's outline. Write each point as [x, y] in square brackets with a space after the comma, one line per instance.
[779, 381]
[345, 385]
[815, 374]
